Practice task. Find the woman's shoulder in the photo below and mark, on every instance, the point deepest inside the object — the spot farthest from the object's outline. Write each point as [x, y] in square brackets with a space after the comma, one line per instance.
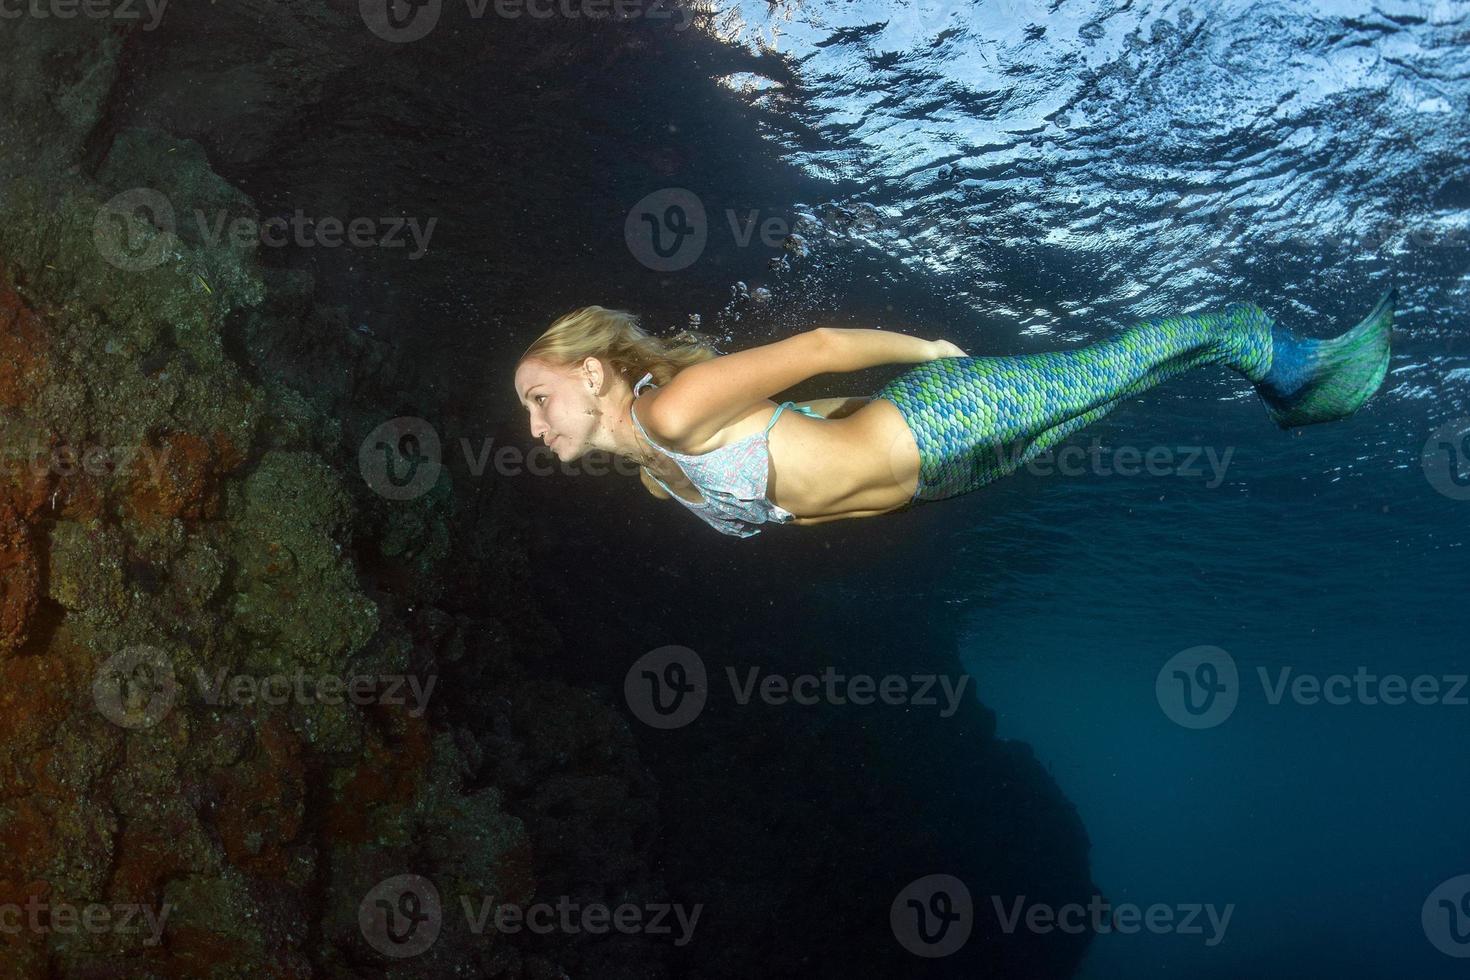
[656, 423]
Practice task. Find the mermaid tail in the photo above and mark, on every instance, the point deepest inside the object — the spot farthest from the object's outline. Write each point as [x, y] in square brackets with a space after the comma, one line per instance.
[976, 419]
[1323, 380]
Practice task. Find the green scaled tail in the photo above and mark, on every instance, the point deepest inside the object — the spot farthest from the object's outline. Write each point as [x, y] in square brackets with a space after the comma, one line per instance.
[1323, 380]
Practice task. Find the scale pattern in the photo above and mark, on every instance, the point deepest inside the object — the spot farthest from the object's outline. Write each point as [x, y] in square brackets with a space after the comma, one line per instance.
[976, 419]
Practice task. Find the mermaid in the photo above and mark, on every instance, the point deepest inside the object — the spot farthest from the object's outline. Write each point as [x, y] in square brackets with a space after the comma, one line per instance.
[704, 430]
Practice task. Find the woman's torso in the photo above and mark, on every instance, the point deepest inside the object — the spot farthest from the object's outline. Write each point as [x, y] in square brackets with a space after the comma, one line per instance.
[820, 469]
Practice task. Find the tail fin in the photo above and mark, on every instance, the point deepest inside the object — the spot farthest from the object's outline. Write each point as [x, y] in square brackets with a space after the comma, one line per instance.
[1322, 380]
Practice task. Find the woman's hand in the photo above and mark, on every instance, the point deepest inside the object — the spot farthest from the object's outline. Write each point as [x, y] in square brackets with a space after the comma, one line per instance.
[943, 348]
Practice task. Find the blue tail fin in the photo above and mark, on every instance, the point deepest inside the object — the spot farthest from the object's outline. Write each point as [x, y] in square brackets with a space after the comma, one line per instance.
[1322, 380]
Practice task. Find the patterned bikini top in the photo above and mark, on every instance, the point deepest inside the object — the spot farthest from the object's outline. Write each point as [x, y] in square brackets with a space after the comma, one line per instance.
[731, 479]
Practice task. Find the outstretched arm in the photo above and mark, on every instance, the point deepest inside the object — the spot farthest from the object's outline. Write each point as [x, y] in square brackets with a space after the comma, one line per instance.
[856, 349]
[705, 397]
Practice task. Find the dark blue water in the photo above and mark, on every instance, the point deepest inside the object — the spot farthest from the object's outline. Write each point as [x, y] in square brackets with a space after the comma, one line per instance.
[1064, 170]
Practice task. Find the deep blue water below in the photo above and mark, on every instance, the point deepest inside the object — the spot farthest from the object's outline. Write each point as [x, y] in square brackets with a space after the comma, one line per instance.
[1325, 819]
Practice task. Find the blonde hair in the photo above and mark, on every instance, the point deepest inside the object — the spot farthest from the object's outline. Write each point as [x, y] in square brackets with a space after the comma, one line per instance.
[615, 338]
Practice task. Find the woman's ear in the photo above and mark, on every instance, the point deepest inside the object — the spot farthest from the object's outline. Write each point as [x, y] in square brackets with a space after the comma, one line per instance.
[593, 374]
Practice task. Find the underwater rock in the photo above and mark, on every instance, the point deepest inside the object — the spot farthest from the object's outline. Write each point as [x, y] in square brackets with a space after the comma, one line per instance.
[22, 366]
[214, 536]
[20, 581]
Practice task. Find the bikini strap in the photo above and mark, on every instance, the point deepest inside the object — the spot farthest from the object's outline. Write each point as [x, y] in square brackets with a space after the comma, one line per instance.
[777, 414]
[642, 381]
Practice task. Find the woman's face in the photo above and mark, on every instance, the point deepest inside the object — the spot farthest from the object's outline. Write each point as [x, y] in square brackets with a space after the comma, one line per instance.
[563, 409]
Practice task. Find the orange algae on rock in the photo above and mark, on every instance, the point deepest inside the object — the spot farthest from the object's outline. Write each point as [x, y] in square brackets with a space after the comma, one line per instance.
[22, 488]
[179, 479]
[20, 580]
[262, 801]
[387, 774]
[22, 361]
[35, 699]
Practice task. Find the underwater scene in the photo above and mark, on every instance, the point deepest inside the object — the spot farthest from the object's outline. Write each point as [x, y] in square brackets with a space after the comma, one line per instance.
[403, 404]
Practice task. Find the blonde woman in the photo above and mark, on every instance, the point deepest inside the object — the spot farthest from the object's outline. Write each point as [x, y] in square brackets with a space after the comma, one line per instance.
[704, 430]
